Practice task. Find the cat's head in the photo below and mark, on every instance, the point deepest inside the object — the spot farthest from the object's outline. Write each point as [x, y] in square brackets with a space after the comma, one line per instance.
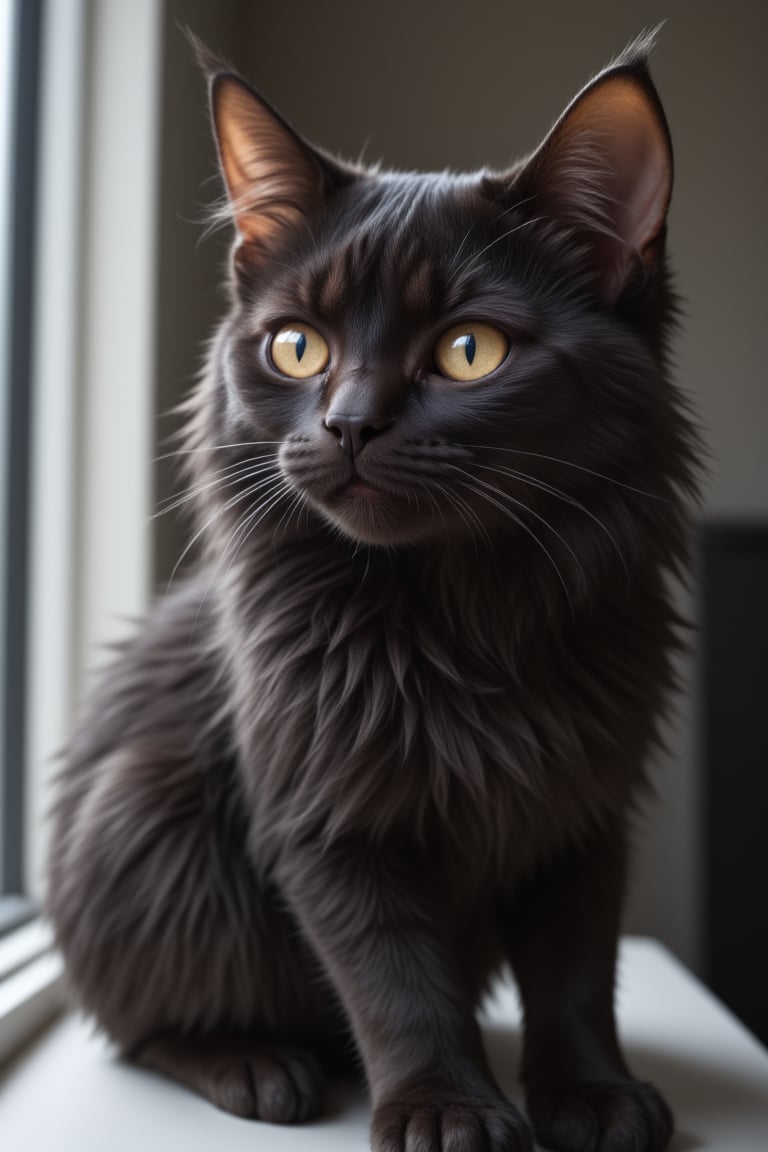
[413, 356]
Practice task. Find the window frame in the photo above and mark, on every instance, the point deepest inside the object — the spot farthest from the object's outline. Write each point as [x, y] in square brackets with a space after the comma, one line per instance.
[21, 157]
[89, 484]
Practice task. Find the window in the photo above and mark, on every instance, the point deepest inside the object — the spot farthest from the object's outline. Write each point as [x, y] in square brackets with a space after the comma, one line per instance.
[77, 152]
[30, 973]
[19, 50]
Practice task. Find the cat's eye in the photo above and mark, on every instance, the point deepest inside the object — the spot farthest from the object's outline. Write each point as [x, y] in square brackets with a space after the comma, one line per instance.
[470, 351]
[299, 351]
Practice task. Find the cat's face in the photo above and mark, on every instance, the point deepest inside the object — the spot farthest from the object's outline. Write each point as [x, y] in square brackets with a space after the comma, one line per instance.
[439, 355]
[384, 356]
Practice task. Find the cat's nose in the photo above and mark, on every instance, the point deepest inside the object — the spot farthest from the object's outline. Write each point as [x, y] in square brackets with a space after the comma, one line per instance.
[354, 432]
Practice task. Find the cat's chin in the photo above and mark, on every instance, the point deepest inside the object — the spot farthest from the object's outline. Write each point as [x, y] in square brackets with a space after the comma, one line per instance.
[371, 515]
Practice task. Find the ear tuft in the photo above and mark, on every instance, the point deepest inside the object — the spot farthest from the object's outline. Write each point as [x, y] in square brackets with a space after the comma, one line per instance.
[638, 52]
[208, 62]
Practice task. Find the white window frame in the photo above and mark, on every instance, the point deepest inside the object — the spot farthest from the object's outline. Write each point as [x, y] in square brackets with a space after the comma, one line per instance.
[94, 307]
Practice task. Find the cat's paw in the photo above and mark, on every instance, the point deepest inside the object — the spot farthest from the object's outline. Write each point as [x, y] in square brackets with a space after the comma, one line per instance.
[610, 1116]
[276, 1083]
[427, 1120]
[279, 1085]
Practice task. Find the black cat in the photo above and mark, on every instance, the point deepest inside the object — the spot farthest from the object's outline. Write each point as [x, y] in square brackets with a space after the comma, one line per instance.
[391, 735]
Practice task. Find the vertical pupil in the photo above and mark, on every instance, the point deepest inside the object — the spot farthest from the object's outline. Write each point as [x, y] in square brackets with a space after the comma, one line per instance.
[469, 348]
[301, 346]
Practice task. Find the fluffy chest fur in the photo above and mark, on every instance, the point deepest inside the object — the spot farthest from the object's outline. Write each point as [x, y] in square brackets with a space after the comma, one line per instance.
[437, 698]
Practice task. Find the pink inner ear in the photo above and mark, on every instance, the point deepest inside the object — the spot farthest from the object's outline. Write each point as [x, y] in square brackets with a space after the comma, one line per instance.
[647, 200]
[271, 180]
[640, 160]
[607, 166]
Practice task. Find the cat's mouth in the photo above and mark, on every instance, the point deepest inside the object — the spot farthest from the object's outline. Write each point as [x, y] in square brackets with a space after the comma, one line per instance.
[358, 489]
[371, 512]
[373, 505]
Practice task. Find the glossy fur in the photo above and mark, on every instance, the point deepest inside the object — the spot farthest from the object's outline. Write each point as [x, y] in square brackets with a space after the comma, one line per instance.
[392, 733]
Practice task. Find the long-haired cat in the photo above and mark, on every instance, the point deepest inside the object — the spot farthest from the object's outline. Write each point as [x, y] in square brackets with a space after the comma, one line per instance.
[391, 735]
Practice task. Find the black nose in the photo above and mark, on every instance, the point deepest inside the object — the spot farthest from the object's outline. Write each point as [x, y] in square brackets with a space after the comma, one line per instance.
[354, 432]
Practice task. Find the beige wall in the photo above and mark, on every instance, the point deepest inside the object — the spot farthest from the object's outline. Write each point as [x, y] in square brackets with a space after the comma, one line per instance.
[436, 84]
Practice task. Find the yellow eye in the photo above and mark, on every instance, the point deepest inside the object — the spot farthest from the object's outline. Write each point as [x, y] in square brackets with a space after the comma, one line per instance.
[299, 351]
[470, 351]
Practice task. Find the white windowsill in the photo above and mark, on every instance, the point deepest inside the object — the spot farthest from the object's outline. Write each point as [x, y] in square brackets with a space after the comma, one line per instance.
[714, 1074]
[23, 945]
[31, 985]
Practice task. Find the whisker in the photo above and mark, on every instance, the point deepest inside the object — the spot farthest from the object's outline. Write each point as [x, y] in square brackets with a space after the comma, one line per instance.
[526, 528]
[297, 501]
[558, 494]
[274, 492]
[279, 484]
[570, 464]
[219, 512]
[458, 503]
[214, 448]
[471, 259]
[226, 476]
[436, 505]
[519, 503]
[512, 208]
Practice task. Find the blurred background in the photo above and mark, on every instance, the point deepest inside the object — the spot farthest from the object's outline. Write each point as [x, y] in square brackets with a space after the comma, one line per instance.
[110, 291]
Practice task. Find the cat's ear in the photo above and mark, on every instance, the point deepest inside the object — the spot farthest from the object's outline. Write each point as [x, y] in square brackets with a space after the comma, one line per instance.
[606, 168]
[273, 178]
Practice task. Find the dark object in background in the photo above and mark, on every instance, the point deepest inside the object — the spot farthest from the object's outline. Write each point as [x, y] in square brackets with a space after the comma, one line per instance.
[734, 726]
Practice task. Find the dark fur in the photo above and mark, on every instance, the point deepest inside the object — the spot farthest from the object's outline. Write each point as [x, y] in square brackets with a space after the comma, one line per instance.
[375, 749]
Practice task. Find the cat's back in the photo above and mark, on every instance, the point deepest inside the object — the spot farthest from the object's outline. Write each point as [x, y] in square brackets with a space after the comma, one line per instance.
[166, 674]
[159, 711]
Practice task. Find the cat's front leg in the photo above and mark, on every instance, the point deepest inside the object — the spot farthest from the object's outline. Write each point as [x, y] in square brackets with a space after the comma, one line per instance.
[562, 927]
[377, 920]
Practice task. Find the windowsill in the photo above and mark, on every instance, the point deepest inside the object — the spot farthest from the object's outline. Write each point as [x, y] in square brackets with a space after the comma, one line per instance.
[714, 1074]
[31, 984]
[14, 912]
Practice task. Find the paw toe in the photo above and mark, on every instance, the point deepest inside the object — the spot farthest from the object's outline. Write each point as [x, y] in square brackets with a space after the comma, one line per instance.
[279, 1088]
[563, 1121]
[288, 1086]
[442, 1126]
[616, 1116]
[276, 1096]
[461, 1131]
[231, 1090]
[421, 1132]
[308, 1081]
